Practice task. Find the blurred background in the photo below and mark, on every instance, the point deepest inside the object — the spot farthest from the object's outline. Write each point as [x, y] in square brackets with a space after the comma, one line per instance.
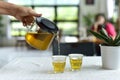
[73, 17]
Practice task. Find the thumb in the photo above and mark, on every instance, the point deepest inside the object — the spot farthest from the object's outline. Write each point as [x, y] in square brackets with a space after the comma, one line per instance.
[33, 13]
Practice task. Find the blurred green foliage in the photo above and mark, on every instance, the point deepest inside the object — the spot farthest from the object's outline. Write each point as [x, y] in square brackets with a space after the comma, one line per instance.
[67, 13]
[88, 20]
[68, 28]
[1, 27]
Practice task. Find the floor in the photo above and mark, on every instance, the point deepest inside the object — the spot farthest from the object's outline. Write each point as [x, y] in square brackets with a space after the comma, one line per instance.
[9, 53]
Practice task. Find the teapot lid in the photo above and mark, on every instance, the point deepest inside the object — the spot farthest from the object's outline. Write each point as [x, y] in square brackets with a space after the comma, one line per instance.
[46, 25]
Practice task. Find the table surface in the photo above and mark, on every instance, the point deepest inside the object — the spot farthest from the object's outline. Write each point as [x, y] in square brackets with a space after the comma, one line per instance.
[40, 68]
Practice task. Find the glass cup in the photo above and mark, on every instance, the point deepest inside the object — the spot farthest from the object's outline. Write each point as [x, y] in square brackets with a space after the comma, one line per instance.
[59, 63]
[75, 61]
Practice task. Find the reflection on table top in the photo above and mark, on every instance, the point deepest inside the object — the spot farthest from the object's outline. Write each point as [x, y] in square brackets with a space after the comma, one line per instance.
[40, 68]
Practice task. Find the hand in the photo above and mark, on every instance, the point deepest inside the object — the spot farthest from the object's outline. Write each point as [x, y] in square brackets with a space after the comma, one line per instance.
[25, 15]
[96, 23]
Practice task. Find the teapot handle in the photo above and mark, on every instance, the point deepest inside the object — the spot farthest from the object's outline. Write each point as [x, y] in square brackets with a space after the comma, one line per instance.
[29, 28]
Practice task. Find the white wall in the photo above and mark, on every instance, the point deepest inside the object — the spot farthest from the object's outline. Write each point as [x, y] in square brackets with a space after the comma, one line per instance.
[7, 40]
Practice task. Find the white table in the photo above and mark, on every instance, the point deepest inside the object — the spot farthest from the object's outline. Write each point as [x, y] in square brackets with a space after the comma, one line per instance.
[40, 68]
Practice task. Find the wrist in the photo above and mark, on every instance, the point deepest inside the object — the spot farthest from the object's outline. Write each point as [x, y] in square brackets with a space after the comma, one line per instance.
[11, 9]
[14, 10]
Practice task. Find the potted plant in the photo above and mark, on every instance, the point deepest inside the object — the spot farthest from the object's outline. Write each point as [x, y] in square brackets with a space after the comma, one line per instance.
[110, 49]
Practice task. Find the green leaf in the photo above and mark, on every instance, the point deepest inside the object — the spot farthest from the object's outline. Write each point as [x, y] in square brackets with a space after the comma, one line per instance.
[102, 32]
[118, 34]
[99, 36]
[108, 40]
[117, 38]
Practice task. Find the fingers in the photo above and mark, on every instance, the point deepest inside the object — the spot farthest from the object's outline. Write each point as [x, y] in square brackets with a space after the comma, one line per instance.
[36, 15]
[33, 13]
[27, 21]
[29, 18]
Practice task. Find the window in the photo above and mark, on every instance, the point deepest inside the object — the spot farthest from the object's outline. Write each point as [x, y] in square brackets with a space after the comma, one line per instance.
[65, 13]
[68, 28]
[44, 11]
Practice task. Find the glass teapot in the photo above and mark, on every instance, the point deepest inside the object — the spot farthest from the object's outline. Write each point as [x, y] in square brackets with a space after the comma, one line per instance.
[42, 34]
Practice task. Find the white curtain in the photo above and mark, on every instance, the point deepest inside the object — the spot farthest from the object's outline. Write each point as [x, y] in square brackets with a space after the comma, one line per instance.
[107, 7]
[110, 4]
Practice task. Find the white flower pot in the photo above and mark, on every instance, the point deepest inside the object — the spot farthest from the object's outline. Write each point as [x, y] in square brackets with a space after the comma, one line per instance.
[110, 57]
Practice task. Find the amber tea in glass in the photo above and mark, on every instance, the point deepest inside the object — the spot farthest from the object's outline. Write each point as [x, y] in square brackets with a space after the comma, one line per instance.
[59, 63]
[75, 61]
[39, 40]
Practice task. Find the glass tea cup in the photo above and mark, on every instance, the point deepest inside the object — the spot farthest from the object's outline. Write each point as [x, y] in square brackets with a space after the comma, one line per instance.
[59, 62]
[75, 61]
